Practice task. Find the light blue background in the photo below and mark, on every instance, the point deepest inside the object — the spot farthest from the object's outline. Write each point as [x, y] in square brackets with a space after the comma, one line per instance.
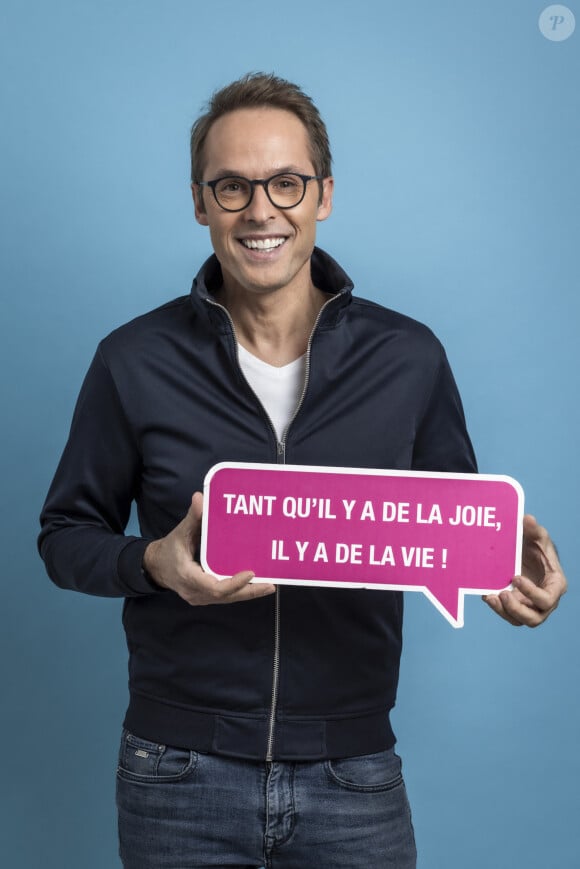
[456, 136]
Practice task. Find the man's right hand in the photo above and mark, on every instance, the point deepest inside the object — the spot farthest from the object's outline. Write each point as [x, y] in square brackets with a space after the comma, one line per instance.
[169, 562]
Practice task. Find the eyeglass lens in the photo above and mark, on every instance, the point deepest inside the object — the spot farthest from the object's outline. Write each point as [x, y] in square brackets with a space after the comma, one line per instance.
[284, 191]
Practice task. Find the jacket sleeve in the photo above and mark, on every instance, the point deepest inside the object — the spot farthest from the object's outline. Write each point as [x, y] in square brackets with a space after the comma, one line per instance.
[82, 540]
[442, 442]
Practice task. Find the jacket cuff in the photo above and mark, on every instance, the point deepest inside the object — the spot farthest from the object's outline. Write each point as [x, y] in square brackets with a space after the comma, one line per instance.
[130, 569]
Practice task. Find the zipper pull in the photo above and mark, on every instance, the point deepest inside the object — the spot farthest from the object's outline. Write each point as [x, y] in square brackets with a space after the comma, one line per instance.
[281, 454]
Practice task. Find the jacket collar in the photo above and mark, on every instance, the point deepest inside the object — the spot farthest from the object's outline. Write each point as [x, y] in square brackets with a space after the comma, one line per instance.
[326, 274]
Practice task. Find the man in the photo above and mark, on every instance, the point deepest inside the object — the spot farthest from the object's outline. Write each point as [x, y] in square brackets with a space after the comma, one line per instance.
[258, 728]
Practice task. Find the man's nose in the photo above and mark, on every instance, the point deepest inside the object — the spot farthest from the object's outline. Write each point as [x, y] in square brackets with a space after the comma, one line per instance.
[260, 208]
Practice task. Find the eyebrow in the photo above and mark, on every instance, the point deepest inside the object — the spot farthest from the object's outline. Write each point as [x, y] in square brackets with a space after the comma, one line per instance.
[226, 172]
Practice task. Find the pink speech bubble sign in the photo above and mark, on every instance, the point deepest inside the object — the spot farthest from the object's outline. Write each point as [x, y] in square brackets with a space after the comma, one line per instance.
[445, 535]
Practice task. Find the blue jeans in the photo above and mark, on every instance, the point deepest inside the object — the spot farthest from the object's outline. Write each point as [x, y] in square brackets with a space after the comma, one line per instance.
[181, 809]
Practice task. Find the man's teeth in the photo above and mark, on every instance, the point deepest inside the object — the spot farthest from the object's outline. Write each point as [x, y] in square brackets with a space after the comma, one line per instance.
[262, 243]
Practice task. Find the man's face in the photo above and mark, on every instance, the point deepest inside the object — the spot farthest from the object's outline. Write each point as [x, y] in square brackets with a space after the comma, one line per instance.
[258, 143]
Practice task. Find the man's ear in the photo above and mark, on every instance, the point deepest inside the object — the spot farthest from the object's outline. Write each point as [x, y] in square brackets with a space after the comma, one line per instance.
[325, 204]
[199, 205]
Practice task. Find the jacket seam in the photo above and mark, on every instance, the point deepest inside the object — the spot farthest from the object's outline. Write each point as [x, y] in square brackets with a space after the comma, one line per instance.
[200, 710]
[281, 717]
[430, 393]
[118, 401]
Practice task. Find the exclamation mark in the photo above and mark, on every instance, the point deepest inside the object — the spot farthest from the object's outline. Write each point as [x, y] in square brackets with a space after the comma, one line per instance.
[444, 558]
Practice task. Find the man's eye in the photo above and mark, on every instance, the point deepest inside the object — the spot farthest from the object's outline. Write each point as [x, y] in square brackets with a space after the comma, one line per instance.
[286, 182]
[231, 186]
[286, 185]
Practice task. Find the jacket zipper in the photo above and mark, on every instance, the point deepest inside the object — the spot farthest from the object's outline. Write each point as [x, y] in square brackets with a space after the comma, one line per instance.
[281, 460]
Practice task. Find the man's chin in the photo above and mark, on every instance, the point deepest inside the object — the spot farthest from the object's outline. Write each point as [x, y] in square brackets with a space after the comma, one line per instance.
[262, 280]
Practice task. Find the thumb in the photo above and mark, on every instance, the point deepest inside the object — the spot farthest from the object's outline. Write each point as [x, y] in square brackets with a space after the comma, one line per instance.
[530, 526]
[190, 525]
[196, 508]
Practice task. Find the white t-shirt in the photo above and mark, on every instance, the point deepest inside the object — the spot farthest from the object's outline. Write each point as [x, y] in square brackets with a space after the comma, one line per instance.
[278, 389]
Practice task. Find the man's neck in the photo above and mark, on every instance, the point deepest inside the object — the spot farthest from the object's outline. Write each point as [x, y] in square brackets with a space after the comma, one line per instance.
[274, 326]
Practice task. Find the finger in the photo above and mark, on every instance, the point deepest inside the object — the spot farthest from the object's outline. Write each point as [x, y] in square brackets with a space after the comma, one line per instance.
[197, 505]
[241, 587]
[543, 597]
[230, 589]
[521, 612]
[539, 543]
[496, 605]
[536, 532]
[190, 525]
[233, 584]
[197, 511]
[209, 584]
[252, 591]
[531, 525]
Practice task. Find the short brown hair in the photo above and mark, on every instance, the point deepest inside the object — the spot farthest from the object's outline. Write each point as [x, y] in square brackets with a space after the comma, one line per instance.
[262, 90]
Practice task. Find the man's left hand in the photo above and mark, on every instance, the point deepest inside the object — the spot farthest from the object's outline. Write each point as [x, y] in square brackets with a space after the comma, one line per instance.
[537, 592]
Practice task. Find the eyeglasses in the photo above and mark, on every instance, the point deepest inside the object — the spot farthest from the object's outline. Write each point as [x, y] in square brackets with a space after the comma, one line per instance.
[234, 193]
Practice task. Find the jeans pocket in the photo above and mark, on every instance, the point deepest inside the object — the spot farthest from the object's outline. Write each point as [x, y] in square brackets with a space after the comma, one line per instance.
[141, 760]
[369, 772]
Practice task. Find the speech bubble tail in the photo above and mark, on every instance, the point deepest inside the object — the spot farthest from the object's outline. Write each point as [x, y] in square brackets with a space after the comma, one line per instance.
[449, 602]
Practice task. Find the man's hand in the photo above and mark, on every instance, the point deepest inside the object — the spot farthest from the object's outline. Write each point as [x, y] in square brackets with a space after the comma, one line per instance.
[536, 594]
[169, 562]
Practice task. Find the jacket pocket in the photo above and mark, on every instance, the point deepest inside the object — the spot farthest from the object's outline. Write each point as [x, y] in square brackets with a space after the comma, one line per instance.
[369, 772]
[141, 760]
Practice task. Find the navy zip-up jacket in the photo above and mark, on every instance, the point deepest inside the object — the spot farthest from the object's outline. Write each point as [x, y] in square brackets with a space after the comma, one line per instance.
[307, 673]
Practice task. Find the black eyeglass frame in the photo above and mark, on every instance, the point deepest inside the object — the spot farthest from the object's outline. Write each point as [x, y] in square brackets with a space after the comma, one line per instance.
[262, 182]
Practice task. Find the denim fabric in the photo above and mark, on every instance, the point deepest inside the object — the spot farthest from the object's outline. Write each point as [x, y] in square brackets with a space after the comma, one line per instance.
[181, 809]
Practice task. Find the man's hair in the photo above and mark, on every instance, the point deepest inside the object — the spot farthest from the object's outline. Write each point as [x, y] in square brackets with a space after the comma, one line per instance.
[262, 90]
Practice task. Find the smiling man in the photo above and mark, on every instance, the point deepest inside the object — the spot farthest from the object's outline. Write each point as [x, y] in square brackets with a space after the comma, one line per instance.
[258, 728]
[263, 232]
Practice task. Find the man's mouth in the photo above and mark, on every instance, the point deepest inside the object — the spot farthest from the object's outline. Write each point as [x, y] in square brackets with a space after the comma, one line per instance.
[263, 243]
